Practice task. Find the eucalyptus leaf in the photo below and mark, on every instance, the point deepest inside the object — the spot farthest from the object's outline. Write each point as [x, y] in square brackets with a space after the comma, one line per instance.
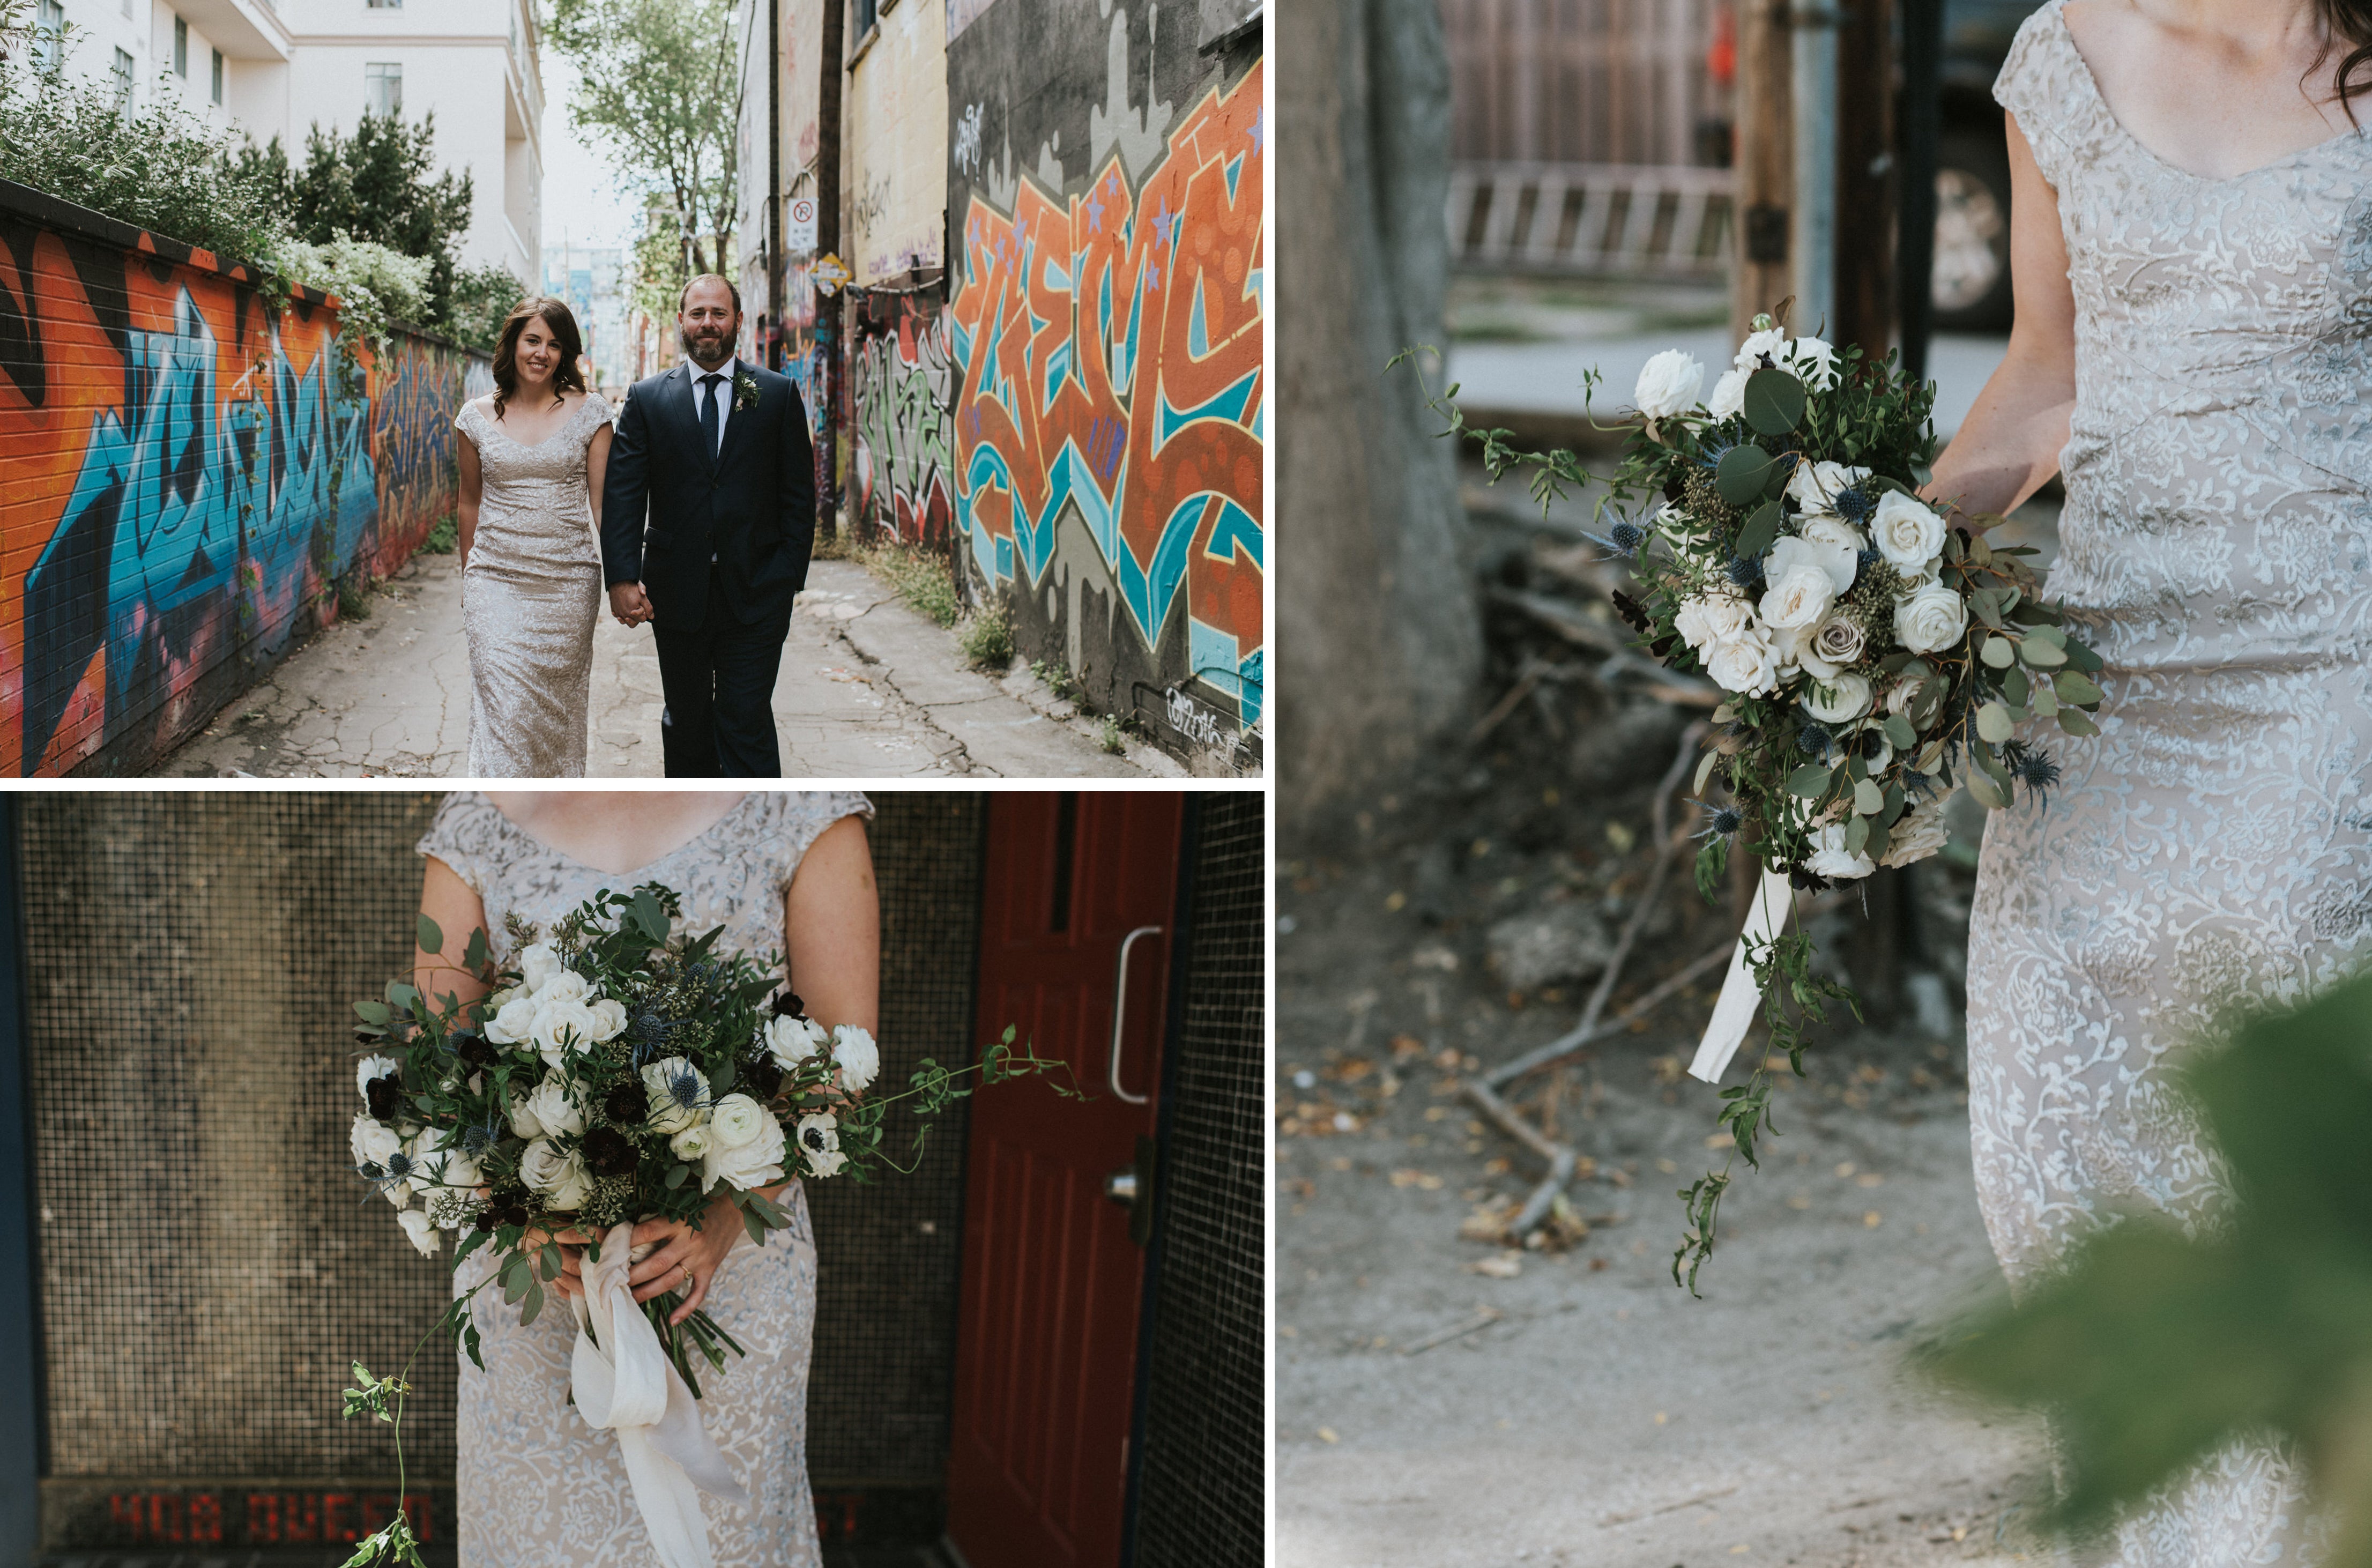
[1704, 770]
[1993, 723]
[1997, 652]
[1879, 836]
[1898, 733]
[2074, 686]
[2083, 657]
[678, 1175]
[375, 1013]
[2014, 687]
[1774, 402]
[1761, 529]
[1808, 781]
[432, 937]
[1869, 799]
[1738, 478]
[1856, 834]
[1985, 792]
[2076, 721]
[2042, 655]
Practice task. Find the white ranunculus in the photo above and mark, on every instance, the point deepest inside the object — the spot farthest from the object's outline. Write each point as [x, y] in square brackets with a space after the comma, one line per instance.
[1903, 693]
[538, 963]
[1815, 487]
[1798, 597]
[565, 985]
[553, 1111]
[1713, 617]
[1919, 833]
[609, 1019]
[1728, 398]
[560, 1176]
[497, 1000]
[758, 1163]
[1837, 699]
[512, 1023]
[1830, 858]
[420, 1230]
[693, 1143]
[679, 1094]
[1833, 530]
[859, 1058]
[1834, 557]
[1668, 385]
[374, 1067]
[523, 1121]
[1909, 535]
[1788, 645]
[819, 1143]
[1930, 621]
[1770, 343]
[1746, 662]
[374, 1142]
[793, 1041]
[562, 1025]
[1814, 363]
[736, 1120]
[1835, 642]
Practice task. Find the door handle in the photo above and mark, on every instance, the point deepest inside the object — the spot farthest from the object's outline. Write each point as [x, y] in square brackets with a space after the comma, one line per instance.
[1120, 1011]
[1132, 1187]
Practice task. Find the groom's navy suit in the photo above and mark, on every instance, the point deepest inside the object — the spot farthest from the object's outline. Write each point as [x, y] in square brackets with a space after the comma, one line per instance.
[720, 543]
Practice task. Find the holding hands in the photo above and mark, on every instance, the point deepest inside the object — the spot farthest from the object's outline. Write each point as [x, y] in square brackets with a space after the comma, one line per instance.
[630, 604]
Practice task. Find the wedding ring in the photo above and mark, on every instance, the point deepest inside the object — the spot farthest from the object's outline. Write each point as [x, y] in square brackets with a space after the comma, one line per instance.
[687, 1276]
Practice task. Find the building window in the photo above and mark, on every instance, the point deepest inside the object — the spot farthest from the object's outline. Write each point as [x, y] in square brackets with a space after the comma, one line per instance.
[866, 15]
[218, 76]
[383, 88]
[49, 33]
[122, 78]
[181, 48]
[384, 4]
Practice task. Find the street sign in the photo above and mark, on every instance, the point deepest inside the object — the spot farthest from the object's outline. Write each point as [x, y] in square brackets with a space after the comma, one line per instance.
[830, 274]
[799, 228]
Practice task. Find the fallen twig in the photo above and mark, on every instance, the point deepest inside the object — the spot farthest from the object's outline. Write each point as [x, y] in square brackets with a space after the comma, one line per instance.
[1487, 1317]
[1611, 1520]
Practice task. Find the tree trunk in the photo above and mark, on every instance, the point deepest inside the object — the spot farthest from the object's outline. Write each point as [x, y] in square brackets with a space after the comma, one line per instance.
[1382, 641]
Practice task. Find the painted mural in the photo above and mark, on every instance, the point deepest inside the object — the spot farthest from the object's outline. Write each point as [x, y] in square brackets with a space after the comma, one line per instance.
[1106, 335]
[903, 387]
[187, 480]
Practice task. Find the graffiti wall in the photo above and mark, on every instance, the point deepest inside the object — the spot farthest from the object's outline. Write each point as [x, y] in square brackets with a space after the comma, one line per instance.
[184, 481]
[902, 385]
[1105, 331]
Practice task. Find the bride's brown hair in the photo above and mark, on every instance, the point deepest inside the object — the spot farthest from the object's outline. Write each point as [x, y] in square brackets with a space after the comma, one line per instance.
[556, 317]
[2349, 22]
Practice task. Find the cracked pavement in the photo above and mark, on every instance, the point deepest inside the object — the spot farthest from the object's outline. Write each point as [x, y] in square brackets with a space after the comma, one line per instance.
[868, 689]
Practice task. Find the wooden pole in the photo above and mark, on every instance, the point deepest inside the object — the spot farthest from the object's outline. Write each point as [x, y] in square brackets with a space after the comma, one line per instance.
[828, 305]
[1765, 177]
[1866, 175]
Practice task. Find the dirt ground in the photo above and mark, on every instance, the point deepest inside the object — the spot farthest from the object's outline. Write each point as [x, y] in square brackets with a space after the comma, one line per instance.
[1603, 1418]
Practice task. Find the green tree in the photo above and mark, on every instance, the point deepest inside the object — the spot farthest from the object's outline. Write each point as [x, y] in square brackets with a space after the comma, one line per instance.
[481, 296]
[661, 89]
[379, 184]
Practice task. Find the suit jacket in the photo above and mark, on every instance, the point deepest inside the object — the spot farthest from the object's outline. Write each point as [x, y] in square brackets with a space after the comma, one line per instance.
[668, 506]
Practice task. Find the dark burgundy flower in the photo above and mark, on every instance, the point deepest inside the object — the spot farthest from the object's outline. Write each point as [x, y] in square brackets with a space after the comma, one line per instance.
[608, 1152]
[788, 1005]
[764, 1076]
[475, 1051]
[1675, 483]
[515, 1213]
[383, 1096]
[1633, 611]
[486, 1221]
[628, 1105]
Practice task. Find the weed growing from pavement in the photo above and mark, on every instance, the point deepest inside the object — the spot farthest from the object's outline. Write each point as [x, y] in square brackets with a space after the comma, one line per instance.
[444, 538]
[987, 637]
[922, 581]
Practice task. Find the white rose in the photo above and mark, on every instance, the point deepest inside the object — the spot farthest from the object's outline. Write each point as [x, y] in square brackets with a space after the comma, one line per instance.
[1728, 399]
[609, 1019]
[565, 985]
[1788, 645]
[1814, 363]
[793, 1041]
[512, 1022]
[1833, 530]
[1815, 487]
[1919, 833]
[449, 1168]
[374, 1142]
[819, 1143]
[1834, 644]
[1903, 693]
[1799, 596]
[560, 1177]
[563, 1024]
[374, 1067]
[1668, 385]
[1844, 696]
[859, 1058]
[1713, 617]
[538, 963]
[693, 1143]
[1770, 343]
[1830, 858]
[736, 1120]
[504, 997]
[550, 1104]
[1908, 534]
[679, 1094]
[523, 1121]
[758, 1163]
[1746, 662]
[1930, 621]
[420, 1230]
[1832, 556]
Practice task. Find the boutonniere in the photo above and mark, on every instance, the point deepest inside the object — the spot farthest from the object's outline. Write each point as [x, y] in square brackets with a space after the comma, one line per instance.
[745, 392]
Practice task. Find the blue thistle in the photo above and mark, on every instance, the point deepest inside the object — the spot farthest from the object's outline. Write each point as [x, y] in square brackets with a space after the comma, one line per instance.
[1721, 821]
[1866, 559]
[1815, 739]
[1717, 447]
[684, 1088]
[479, 1138]
[2033, 769]
[1623, 538]
[1854, 504]
[1744, 570]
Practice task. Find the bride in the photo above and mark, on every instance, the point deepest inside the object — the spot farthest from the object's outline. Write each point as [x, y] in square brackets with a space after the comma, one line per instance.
[781, 872]
[532, 462]
[2191, 248]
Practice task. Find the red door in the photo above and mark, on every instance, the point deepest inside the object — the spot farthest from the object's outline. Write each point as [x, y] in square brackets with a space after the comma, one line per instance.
[1078, 885]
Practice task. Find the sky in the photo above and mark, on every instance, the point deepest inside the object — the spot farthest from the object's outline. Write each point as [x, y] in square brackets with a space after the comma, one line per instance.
[582, 199]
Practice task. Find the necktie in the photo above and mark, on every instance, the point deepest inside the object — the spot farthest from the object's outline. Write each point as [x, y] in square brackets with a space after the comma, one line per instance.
[709, 421]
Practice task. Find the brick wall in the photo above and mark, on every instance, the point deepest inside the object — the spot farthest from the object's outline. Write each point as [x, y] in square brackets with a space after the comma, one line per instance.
[184, 480]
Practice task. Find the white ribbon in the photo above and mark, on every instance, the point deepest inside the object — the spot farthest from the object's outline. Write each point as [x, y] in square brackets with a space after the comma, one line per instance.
[1733, 1015]
[624, 1381]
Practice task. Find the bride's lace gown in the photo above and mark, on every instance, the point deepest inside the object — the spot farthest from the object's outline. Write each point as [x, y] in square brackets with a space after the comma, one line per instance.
[2214, 841]
[538, 1488]
[530, 596]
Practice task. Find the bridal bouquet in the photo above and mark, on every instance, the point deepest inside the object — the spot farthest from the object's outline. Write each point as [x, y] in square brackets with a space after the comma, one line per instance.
[622, 1071]
[1876, 657]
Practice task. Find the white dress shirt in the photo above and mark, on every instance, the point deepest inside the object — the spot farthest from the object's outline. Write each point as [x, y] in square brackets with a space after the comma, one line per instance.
[730, 368]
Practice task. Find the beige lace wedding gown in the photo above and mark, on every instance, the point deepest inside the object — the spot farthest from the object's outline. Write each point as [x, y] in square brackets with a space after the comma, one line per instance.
[538, 1488]
[2214, 841]
[529, 598]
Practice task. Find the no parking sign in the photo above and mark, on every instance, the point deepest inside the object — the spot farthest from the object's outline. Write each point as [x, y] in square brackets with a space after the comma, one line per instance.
[799, 228]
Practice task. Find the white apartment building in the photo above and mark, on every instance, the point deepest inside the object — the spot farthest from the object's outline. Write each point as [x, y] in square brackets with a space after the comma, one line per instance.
[278, 67]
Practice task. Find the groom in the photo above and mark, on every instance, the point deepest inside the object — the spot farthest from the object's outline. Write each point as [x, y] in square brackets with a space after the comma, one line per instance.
[707, 519]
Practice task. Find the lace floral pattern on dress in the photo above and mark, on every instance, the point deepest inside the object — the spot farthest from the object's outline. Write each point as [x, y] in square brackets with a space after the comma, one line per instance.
[538, 1488]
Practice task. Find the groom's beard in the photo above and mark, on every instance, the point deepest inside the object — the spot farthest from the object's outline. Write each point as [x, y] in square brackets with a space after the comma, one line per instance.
[707, 350]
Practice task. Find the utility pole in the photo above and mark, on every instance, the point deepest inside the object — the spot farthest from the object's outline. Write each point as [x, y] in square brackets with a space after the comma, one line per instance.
[1923, 49]
[773, 349]
[1865, 263]
[1812, 243]
[827, 308]
[1763, 163]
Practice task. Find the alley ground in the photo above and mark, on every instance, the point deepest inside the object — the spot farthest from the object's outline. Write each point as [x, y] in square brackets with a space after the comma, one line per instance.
[868, 689]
